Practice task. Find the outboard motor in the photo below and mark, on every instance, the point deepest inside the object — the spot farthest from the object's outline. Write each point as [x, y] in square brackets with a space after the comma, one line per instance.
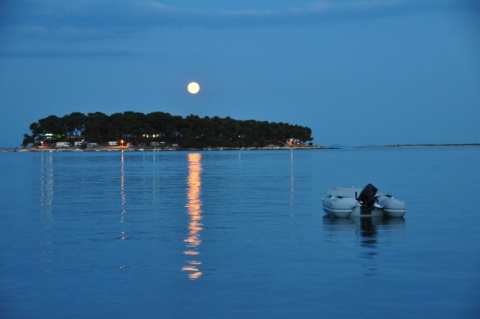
[367, 198]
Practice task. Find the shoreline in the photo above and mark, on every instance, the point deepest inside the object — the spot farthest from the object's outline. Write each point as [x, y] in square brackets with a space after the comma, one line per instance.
[154, 149]
[280, 148]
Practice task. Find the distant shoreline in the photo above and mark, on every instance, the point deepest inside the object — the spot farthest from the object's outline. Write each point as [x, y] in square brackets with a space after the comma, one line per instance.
[420, 145]
[149, 148]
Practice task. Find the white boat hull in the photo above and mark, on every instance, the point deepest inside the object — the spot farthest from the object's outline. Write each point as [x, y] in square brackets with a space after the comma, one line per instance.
[342, 202]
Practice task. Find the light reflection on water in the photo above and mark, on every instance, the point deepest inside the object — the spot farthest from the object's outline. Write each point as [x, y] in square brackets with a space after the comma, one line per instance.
[292, 179]
[46, 203]
[194, 208]
[123, 197]
[46, 179]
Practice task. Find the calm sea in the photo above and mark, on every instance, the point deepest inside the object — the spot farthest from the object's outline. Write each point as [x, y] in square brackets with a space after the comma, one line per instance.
[237, 234]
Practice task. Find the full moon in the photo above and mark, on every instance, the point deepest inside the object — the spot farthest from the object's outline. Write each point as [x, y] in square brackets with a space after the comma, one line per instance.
[193, 87]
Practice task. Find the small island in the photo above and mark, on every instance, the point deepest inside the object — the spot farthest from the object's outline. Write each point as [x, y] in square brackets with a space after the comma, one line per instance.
[159, 130]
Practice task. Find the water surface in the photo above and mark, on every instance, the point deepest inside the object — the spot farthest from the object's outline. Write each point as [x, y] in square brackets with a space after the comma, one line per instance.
[237, 234]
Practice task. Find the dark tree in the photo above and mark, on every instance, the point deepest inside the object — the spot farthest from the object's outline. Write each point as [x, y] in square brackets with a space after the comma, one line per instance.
[140, 129]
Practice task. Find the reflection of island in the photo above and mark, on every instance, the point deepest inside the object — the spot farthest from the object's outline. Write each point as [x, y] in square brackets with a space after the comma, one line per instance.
[367, 230]
[194, 207]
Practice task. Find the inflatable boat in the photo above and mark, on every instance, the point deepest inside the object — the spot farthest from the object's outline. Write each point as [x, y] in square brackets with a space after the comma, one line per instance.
[354, 201]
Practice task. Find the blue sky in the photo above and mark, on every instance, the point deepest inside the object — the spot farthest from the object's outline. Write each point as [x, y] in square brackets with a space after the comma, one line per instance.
[356, 72]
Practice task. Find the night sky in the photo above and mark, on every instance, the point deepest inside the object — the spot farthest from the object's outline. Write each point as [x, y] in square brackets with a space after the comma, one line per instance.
[356, 72]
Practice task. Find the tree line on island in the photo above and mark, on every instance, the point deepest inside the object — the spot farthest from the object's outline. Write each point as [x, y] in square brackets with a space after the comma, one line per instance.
[136, 128]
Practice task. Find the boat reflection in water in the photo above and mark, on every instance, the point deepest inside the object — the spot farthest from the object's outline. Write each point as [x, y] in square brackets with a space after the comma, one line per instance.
[194, 209]
[369, 233]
